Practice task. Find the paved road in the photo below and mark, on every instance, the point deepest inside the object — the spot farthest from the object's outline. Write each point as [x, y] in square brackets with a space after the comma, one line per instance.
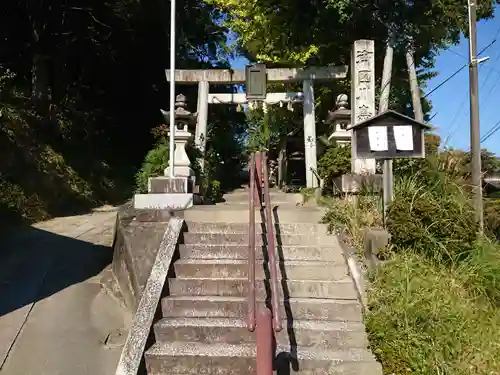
[54, 317]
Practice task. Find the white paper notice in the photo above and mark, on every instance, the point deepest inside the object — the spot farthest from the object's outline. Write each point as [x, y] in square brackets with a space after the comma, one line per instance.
[377, 136]
[403, 135]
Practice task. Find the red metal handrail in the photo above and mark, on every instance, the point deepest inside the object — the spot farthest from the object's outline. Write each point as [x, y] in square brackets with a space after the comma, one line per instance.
[251, 248]
[262, 320]
[264, 339]
[271, 249]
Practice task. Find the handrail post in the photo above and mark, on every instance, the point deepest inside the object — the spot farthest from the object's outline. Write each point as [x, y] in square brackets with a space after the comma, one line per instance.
[251, 248]
[264, 339]
[259, 187]
[271, 249]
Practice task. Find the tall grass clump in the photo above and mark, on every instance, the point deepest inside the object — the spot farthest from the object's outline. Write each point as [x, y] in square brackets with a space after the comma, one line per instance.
[433, 217]
[350, 215]
[427, 319]
[435, 307]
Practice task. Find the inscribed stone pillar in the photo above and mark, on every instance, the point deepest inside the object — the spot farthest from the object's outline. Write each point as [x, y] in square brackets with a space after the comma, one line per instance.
[363, 94]
[309, 134]
[202, 120]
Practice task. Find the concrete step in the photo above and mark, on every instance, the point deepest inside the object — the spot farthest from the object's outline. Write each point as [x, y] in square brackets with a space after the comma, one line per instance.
[309, 253]
[237, 287]
[230, 359]
[191, 238]
[244, 190]
[244, 205]
[237, 307]
[291, 270]
[239, 214]
[276, 197]
[220, 227]
[321, 334]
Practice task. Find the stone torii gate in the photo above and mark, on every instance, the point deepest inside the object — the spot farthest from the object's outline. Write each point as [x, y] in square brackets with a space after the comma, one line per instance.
[225, 76]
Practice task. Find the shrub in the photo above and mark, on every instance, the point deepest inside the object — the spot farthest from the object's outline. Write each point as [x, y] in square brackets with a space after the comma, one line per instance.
[335, 162]
[214, 191]
[153, 165]
[433, 218]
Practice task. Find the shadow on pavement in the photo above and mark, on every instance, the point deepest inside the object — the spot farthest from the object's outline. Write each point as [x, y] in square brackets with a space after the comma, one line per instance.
[36, 264]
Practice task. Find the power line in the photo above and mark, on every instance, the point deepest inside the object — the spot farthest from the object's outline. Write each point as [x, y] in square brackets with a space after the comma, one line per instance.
[454, 124]
[458, 70]
[457, 113]
[490, 133]
[446, 80]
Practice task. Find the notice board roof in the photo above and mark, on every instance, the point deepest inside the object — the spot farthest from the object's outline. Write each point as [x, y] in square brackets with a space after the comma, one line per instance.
[389, 114]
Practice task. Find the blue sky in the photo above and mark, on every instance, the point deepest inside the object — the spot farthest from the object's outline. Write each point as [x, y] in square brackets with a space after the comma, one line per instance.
[451, 101]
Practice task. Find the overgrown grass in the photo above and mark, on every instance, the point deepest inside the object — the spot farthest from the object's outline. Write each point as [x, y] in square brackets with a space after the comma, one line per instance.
[351, 215]
[428, 319]
[434, 306]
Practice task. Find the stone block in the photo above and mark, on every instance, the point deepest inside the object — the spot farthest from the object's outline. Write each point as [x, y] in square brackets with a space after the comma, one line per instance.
[164, 184]
[173, 201]
[137, 239]
[374, 239]
[352, 183]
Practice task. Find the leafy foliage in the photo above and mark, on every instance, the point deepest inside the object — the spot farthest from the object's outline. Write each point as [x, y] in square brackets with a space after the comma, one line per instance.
[432, 217]
[273, 32]
[335, 162]
[80, 89]
[154, 164]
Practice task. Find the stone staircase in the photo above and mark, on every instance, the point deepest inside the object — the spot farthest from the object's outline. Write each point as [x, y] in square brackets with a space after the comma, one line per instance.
[203, 329]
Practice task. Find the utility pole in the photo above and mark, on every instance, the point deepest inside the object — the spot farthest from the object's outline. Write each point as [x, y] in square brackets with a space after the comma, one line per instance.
[475, 143]
[387, 177]
[172, 89]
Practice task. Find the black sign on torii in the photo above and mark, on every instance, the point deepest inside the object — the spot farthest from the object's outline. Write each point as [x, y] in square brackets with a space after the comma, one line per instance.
[256, 82]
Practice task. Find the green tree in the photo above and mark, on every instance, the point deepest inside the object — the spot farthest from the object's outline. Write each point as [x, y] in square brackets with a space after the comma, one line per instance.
[272, 31]
[81, 88]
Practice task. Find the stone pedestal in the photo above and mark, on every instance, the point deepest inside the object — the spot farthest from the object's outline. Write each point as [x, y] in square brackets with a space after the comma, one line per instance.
[173, 193]
[167, 193]
[352, 183]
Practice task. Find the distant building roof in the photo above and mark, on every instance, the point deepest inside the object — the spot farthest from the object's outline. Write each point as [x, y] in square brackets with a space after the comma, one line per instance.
[493, 181]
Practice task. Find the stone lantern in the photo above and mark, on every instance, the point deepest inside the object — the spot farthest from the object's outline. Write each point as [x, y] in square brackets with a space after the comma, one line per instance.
[340, 120]
[177, 193]
[183, 120]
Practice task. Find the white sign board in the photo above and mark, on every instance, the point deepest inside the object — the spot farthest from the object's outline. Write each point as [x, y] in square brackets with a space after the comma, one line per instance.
[377, 136]
[403, 135]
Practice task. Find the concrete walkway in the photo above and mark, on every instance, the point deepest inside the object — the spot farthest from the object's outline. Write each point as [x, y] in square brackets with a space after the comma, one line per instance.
[54, 317]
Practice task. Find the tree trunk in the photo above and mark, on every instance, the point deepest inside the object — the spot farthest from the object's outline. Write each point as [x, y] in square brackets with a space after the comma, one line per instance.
[415, 89]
